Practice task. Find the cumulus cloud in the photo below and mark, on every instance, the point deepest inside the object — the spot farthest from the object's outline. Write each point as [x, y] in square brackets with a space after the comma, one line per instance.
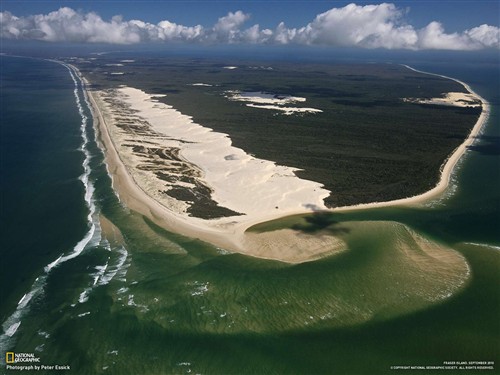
[227, 29]
[369, 26]
[433, 37]
[68, 25]
[485, 36]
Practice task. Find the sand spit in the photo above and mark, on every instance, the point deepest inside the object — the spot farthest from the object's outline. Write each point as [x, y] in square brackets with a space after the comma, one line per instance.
[191, 180]
[447, 168]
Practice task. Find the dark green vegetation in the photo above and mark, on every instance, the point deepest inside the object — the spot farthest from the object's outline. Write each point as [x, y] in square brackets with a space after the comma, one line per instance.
[367, 145]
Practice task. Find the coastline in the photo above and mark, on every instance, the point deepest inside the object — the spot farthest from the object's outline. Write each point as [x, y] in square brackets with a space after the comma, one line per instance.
[232, 235]
[228, 234]
[133, 196]
[447, 167]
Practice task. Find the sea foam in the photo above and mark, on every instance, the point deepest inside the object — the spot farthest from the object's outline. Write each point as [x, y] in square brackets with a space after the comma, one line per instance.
[11, 325]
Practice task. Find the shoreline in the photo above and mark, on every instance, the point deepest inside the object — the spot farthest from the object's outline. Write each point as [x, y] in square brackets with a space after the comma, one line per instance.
[131, 194]
[447, 167]
[232, 235]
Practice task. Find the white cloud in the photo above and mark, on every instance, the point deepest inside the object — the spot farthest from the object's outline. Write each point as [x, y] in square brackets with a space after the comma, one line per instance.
[284, 35]
[433, 37]
[67, 25]
[169, 31]
[369, 26]
[230, 22]
[487, 36]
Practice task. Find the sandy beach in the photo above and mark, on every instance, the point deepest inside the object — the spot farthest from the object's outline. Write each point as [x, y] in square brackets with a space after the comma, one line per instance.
[157, 154]
[235, 177]
[449, 165]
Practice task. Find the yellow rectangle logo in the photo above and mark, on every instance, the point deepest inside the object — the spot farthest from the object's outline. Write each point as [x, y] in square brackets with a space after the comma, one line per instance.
[9, 357]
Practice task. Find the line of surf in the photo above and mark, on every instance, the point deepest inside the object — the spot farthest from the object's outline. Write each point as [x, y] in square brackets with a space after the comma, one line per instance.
[12, 323]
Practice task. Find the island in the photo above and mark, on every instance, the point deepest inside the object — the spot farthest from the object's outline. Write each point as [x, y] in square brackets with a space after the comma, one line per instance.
[209, 149]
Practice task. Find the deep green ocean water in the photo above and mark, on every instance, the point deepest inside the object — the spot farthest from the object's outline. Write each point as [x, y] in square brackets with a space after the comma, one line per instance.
[152, 302]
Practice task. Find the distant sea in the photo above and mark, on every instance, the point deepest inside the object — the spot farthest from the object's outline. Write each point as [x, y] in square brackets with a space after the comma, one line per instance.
[159, 303]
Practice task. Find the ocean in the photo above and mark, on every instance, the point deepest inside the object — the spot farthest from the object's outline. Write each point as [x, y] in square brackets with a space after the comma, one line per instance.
[86, 283]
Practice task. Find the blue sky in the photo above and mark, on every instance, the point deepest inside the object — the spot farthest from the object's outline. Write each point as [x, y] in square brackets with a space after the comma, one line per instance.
[455, 15]
[452, 24]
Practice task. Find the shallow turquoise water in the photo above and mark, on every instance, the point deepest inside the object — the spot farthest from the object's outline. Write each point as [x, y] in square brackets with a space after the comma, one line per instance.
[155, 302]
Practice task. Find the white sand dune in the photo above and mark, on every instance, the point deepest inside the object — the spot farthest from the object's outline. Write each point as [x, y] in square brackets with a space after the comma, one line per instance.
[286, 110]
[258, 189]
[274, 102]
[235, 177]
[263, 98]
[454, 99]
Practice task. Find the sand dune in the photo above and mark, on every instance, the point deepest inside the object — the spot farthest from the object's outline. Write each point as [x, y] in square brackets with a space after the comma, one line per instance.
[169, 168]
[269, 101]
[454, 99]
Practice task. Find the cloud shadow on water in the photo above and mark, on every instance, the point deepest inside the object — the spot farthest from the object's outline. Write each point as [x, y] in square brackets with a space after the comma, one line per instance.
[320, 222]
[488, 145]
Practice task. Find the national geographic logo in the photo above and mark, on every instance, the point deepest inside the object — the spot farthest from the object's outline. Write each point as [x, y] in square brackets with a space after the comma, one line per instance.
[30, 362]
[11, 357]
